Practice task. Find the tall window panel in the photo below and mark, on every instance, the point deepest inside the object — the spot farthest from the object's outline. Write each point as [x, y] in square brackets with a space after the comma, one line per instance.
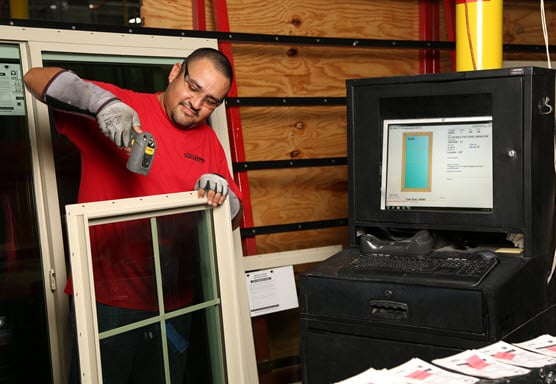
[24, 351]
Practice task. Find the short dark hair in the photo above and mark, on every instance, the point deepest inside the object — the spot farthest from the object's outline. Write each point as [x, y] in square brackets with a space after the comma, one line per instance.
[217, 58]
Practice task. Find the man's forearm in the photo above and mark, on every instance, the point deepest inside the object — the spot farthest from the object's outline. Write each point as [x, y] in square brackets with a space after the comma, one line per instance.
[64, 90]
[236, 221]
[68, 92]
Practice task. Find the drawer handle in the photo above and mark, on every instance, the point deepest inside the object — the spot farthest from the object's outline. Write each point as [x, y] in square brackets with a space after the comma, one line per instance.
[386, 309]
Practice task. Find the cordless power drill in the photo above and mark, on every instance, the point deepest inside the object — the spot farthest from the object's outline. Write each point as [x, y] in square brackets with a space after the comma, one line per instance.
[143, 148]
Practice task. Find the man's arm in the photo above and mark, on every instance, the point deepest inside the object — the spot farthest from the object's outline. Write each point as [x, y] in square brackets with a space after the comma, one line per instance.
[37, 79]
[236, 221]
[64, 90]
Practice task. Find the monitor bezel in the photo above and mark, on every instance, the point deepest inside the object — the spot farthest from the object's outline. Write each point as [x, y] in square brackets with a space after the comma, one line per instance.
[370, 103]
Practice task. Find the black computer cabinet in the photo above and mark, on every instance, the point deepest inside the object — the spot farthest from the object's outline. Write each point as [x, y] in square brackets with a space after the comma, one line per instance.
[352, 323]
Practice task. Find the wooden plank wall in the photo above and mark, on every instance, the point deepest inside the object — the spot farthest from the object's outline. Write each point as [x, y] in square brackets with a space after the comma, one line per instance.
[279, 133]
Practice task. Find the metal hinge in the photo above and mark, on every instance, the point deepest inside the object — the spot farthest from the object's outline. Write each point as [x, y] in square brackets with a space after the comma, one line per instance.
[52, 278]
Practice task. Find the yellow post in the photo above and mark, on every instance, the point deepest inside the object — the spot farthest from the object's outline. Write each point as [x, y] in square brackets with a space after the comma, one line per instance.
[478, 34]
[19, 9]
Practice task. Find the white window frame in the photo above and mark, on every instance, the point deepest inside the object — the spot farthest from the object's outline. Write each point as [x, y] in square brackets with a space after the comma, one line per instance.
[81, 216]
[33, 44]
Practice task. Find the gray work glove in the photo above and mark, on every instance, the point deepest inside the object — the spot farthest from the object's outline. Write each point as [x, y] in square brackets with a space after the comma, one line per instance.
[218, 184]
[116, 120]
[69, 92]
[214, 182]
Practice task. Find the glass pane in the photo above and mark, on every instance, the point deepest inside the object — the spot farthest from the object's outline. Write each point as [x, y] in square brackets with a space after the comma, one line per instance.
[186, 259]
[121, 250]
[205, 362]
[155, 278]
[144, 365]
[22, 298]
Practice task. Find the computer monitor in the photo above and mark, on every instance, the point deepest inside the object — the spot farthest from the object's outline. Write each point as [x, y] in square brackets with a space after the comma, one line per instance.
[437, 164]
[457, 152]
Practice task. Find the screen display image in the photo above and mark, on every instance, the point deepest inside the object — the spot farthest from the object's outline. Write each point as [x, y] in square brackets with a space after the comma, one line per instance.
[437, 163]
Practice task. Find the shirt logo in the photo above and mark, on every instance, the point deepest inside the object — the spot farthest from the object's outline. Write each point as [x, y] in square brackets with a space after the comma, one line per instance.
[196, 158]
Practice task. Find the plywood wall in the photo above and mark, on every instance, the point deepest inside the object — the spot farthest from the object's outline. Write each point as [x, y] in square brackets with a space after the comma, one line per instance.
[523, 25]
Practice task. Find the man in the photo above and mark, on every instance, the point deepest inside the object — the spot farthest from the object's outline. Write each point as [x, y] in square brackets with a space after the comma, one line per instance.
[188, 156]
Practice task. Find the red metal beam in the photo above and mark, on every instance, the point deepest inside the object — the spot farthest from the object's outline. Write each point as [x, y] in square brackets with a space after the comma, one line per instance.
[199, 15]
[429, 59]
[450, 16]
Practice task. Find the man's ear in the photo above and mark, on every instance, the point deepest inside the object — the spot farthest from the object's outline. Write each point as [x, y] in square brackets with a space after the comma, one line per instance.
[176, 68]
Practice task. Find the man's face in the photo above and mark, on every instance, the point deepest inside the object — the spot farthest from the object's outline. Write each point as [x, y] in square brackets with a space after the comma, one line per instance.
[194, 91]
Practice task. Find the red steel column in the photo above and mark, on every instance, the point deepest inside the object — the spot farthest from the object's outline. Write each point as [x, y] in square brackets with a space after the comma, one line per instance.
[429, 61]
[199, 15]
[450, 17]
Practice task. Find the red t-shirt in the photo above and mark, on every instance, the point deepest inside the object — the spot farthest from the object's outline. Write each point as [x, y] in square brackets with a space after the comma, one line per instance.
[122, 253]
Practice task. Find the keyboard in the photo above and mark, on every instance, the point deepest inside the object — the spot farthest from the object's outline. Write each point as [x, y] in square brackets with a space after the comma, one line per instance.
[446, 266]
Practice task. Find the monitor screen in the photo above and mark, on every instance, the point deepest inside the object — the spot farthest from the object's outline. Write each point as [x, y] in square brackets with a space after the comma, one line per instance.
[437, 163]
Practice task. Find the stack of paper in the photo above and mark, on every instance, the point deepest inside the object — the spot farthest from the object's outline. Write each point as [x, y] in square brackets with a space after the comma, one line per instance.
[512, 354]
[419, 371]
[478, 364]
[545, 345]
[494, 361]
[373, 376]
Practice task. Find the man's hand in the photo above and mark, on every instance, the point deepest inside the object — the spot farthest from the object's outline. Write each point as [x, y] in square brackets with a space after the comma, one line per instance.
[116, 120]
[215, 188]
